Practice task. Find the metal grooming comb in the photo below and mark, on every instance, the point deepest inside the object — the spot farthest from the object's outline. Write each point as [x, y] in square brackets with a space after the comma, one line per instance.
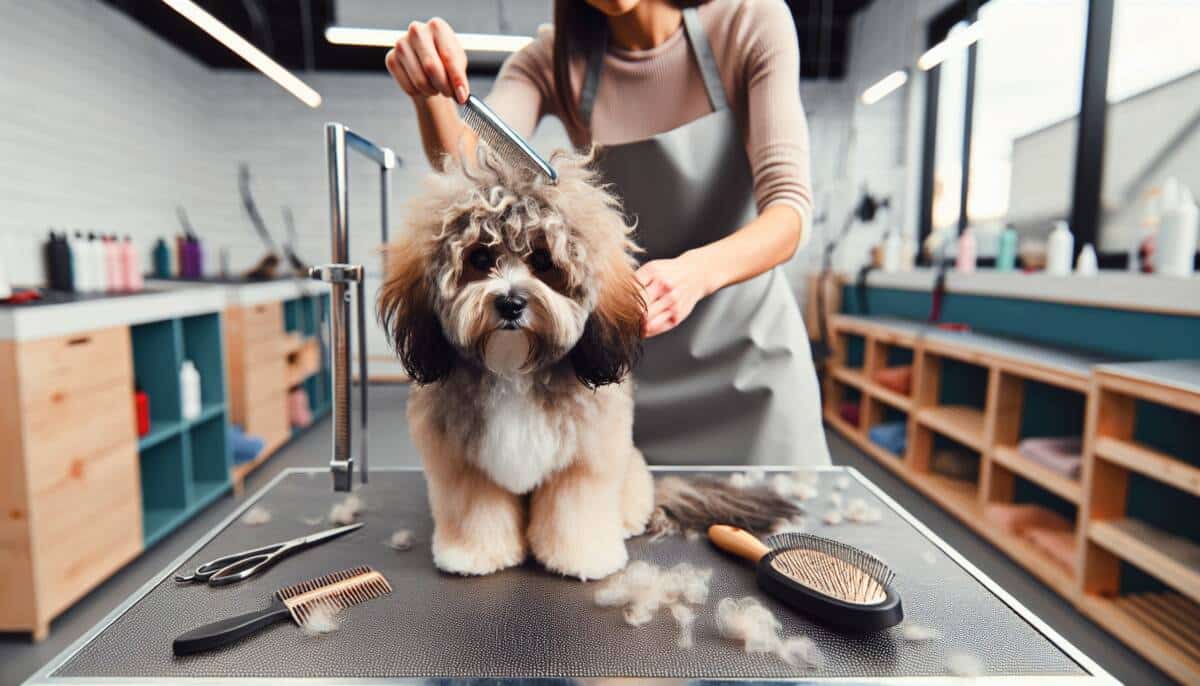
[503, 140]
[335, 592]
[834, 583]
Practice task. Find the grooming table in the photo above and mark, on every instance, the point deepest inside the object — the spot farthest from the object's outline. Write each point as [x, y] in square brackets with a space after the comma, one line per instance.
[524, 625]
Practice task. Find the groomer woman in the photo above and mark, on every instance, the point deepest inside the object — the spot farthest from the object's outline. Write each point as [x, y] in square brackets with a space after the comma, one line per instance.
[697, 109]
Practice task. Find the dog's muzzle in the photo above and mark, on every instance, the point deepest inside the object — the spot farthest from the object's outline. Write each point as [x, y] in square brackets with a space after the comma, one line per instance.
[510, 308]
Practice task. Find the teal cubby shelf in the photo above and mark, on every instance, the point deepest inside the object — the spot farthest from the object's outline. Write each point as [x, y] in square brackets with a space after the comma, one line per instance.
[308, 316]
[184, 463]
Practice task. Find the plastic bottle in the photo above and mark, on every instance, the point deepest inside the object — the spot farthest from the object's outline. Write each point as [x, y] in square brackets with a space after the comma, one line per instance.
[1175, 247]
[99, 263]
[1059, 249]
[162, 260]
[1086, 264]
[189, 390]
[967, 248]
[5, 286]
[1006, 250]
[131, 265]
[79, 264]
[113, 265]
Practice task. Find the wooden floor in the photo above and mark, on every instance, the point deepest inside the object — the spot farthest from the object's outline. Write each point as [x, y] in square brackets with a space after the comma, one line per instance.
[19, 658]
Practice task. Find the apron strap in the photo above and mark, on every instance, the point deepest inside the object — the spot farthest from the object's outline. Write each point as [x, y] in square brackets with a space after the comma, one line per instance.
[701, 48]
[704, 59]
[591, 79]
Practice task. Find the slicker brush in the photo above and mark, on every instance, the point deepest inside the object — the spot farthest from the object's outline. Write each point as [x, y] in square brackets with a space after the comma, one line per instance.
[331, 593]
[508, 144]
[841, 586]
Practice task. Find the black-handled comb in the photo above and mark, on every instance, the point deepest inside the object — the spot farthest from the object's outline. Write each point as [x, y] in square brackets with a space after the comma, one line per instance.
[334, 591]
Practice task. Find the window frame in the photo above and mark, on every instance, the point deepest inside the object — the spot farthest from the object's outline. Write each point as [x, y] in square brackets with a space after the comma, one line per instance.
[1085, 214]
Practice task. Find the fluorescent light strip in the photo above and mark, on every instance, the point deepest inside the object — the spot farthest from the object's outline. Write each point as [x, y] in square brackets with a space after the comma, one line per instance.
[257, 58]
[386, 38]
[884, 86]
[942, 51]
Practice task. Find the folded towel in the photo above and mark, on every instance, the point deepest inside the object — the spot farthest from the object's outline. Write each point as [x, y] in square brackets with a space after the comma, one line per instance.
[895, 379]
[955, 463]
[1059, 546]
[1018, 518]
[891, 436]
[245, 448]
[1061, 454]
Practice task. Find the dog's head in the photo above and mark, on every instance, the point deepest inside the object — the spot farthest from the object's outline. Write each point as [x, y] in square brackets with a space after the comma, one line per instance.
[514, 274]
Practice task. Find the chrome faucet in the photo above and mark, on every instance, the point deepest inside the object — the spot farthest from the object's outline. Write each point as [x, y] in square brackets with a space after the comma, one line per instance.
[341, 275]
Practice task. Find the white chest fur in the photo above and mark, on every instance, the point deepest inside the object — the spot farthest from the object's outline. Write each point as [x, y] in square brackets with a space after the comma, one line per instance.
[521, 443]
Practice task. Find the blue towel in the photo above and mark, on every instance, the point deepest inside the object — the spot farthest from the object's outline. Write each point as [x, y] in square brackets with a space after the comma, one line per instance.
[245, 448]
[891, 436]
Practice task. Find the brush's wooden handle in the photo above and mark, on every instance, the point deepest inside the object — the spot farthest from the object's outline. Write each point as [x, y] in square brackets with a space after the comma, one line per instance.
[737, 541]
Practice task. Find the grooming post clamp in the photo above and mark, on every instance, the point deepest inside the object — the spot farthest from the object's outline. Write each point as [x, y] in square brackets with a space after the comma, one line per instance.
[341, 275]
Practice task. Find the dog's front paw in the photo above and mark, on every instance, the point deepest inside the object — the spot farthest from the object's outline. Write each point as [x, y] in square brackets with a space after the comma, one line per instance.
[585, 558]
[471, 558]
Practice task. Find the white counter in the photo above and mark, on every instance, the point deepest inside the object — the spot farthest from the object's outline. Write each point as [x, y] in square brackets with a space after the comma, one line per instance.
[171, 299]
[1116, 289]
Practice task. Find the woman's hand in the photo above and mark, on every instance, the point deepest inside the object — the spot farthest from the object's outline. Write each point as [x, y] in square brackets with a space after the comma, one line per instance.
[671, 289]
[428, 60]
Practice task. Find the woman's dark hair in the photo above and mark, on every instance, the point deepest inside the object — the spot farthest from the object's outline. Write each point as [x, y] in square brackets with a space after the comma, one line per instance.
[577, 28]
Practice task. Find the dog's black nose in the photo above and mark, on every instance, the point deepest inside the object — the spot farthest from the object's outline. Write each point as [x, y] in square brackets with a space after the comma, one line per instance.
[510, 307]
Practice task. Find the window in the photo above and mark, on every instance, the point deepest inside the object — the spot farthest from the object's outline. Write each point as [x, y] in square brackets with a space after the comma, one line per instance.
[951, 112]
[1028, 76]
[1153, 126]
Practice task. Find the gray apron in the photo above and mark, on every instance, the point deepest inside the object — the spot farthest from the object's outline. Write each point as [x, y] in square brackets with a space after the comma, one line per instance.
[734, 383]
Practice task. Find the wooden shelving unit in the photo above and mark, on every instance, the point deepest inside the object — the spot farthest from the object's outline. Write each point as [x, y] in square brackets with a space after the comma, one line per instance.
[1100, 400]
[1163, 625]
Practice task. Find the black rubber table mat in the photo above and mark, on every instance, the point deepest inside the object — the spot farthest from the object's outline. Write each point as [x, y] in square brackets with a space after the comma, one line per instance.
[527, 623]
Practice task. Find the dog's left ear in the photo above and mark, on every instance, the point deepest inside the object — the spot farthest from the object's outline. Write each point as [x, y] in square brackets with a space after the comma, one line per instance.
[405, 309]
[612, 337]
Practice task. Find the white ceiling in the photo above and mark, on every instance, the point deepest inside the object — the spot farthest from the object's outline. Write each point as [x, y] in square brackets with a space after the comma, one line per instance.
[514, 17]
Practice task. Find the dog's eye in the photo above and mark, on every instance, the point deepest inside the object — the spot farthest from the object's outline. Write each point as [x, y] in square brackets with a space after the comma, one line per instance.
[540, 260]
[481, 259]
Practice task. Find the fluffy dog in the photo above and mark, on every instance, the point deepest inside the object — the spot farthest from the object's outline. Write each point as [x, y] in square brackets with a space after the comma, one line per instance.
[512, 303]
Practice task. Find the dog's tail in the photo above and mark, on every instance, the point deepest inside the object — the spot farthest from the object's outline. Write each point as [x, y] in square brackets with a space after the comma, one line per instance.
[696, 504]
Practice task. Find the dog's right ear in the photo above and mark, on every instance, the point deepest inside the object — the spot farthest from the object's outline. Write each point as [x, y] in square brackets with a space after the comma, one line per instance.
[405, 310]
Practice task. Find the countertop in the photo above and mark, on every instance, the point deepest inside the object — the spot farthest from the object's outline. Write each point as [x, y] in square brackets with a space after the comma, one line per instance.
[1109, 289]
[74, 313]
[525, 625]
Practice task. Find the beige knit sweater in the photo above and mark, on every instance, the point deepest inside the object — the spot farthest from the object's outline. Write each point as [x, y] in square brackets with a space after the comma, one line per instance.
[647, 92]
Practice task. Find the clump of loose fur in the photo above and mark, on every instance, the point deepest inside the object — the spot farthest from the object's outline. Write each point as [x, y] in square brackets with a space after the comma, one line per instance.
[916, 633]
[256, 516]
[859, 512]
[346, 511]
[962, 664]
[685, 617]
[750, 623]
[696, 504]
[401, 540]
[642, 588]
[322, 619]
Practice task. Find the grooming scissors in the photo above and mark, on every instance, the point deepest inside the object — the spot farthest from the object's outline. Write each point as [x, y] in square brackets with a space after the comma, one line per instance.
[241, 566]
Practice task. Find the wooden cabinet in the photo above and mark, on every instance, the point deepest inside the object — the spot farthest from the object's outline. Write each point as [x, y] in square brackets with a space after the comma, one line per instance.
[257, 348]
[69, 480]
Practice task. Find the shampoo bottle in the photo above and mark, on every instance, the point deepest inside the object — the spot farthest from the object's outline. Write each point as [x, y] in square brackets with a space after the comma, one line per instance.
[1086, 264]
[1175, 251]
[1006, 251]
[189, 390]
[892, 251]
[965, 263]
[131, 265]
[79, 264]
[1059, 249]
[114, 265]
[162, 260]
[98, 258]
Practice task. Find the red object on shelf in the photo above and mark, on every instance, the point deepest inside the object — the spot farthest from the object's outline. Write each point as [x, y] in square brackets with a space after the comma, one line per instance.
[896, 379]
[141, 408]
[849, 412]
[956, 327]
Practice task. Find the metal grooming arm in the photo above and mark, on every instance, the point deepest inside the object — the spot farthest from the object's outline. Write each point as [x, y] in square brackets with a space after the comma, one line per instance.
[340, 275]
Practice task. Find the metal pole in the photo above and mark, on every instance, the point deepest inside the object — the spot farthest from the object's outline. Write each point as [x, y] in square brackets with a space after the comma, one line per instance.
[342, 464]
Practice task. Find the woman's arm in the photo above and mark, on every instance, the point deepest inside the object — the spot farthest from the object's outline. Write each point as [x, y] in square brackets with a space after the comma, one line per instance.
[673, 287]
[763, 43]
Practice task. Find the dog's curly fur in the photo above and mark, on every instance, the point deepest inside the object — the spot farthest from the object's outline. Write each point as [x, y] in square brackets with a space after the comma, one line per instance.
[525, 423]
